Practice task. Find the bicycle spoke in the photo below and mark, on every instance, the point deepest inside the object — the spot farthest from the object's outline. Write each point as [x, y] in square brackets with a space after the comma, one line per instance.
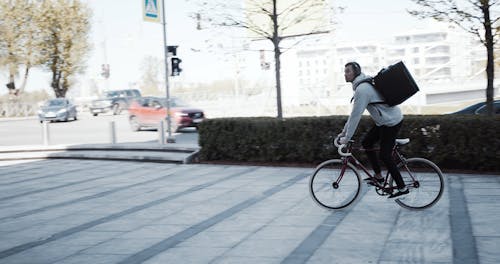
[425, 182]
[324, 189]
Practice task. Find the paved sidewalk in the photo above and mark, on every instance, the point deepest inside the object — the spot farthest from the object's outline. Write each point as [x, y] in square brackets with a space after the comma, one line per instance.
[95, 211]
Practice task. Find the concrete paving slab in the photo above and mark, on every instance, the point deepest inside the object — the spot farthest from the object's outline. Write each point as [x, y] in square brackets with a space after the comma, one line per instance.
[98, 211]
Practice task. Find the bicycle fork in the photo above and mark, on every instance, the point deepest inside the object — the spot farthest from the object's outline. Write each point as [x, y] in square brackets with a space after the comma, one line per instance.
[335, 184]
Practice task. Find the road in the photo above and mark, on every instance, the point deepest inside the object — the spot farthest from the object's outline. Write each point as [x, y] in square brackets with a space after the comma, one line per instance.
[87, 129]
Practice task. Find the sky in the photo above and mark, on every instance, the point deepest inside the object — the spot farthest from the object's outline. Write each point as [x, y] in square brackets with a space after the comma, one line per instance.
[123, 40]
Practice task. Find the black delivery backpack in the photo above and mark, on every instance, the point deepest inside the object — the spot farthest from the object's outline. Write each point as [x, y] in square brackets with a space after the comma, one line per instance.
[395, 84]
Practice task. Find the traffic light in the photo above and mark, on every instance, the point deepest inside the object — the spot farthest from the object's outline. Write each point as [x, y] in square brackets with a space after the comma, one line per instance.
[105, 70]
[176, 69]
[172, 49]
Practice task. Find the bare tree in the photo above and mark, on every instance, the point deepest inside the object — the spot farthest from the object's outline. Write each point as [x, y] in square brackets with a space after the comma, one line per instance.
[65, 26]
[478, 17]
[20, 41]
[272, 20]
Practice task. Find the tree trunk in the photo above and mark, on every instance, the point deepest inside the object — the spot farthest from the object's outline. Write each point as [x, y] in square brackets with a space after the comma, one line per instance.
[59, 91]
[12, 81]
[25, 79]
[490, 71]
[277, 53]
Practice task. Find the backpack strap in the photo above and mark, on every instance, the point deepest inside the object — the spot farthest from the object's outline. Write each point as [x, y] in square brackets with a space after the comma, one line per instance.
[371, 81]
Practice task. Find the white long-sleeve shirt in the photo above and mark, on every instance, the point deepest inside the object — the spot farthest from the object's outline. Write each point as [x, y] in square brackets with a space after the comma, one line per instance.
[382, 114]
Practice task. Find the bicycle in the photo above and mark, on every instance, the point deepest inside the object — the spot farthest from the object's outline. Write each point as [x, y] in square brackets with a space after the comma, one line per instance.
[336, 183]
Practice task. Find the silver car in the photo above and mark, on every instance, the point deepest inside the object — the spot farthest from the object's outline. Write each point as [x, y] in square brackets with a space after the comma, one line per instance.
[59, 109]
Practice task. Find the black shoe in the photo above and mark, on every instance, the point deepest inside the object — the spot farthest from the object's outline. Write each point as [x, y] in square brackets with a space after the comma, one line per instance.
[399, 193]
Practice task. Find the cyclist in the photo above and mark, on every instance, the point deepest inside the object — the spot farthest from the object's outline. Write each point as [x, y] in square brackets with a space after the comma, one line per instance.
[387, 120]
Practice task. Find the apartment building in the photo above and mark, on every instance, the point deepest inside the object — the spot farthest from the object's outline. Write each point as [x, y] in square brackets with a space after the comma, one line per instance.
[447, 64]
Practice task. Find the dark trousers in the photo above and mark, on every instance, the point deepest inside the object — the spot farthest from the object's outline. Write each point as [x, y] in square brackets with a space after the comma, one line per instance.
[387, 137]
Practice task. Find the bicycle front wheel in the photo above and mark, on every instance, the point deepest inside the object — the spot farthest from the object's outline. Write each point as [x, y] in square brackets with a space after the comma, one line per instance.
[335, 185]
[425, 181]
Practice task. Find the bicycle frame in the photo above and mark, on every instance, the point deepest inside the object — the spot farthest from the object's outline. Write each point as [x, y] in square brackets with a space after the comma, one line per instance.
[387, 185]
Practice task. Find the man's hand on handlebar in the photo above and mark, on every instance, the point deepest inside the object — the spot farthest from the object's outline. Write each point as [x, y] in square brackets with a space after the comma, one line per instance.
[340, 142]
[340, 139]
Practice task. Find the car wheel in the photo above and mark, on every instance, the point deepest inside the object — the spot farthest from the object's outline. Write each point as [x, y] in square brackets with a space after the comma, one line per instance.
[117, 109]
[94, 114]
[75, 118]
[134, 124]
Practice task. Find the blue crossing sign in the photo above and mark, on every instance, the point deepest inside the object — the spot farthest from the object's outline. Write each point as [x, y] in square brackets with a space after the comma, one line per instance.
[152, 10]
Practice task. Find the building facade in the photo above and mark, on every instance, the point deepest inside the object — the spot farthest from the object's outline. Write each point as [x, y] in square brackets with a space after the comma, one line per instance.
[447, 64]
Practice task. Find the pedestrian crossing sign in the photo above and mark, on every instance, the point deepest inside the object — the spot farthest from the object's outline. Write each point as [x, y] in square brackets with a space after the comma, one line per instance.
[151, 10]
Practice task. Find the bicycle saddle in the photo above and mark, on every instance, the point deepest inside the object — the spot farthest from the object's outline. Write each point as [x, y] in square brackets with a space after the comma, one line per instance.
[402, 141]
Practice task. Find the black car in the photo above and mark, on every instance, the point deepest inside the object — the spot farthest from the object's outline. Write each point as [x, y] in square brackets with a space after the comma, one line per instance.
[59, 109]
[115, 101]
[478, 109]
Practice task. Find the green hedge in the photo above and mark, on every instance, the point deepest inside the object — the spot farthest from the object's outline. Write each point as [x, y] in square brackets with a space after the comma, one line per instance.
[451, 141]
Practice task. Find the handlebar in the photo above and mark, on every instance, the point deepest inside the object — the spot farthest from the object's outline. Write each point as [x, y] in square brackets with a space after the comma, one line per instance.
[340, 147]
[336, 141]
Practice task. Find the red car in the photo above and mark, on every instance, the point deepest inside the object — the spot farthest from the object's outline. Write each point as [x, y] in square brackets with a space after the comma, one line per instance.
[148, 112]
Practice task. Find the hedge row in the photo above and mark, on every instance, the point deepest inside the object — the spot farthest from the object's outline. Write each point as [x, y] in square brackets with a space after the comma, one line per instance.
[451, 141]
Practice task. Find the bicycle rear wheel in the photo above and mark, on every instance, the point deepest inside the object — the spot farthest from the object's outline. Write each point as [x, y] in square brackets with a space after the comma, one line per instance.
[425, 181]
[333, 187]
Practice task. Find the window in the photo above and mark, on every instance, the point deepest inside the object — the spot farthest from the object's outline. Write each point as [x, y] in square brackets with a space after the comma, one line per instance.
[441, 72]
[439, 49]
[437, 60]
[367, 49]
[397, 52]
[155, 104]
[345, 50]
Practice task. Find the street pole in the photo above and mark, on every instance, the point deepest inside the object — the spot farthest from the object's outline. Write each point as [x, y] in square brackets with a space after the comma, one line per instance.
[170, 137]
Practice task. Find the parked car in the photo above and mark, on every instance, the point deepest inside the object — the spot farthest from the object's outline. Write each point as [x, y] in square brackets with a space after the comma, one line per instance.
[115, 101]
[59, 109]
[148, 112]
[479, 109]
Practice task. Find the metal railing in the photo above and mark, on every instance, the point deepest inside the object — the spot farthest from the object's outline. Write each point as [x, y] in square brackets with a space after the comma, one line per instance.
[17, 109]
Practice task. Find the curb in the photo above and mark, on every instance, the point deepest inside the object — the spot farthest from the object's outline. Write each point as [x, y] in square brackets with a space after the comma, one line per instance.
[182, 154]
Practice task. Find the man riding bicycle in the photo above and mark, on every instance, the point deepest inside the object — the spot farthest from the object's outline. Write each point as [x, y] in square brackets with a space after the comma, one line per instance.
[388, 120]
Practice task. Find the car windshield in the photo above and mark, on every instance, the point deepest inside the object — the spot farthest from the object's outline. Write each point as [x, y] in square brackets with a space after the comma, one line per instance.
[483, 109]
[111, 94]
[175, 102]
[133, 93]
[122, 93]
[55, 103]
